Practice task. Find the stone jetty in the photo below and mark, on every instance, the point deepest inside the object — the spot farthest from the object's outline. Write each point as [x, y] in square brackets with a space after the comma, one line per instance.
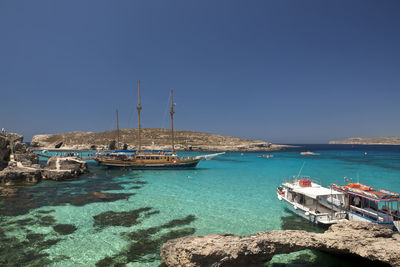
[370, 241]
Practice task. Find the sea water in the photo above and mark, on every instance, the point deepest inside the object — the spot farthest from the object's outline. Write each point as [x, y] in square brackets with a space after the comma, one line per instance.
[68, 224]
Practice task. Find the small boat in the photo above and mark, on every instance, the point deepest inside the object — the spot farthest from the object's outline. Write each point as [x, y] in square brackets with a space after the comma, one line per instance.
[308, 153]
[364, 203]
[266, 156]
[307, 198]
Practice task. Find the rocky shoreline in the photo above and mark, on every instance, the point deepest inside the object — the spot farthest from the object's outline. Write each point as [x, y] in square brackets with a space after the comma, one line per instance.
[371, 241]
[152, 138]
[394, 140]
[19, 165]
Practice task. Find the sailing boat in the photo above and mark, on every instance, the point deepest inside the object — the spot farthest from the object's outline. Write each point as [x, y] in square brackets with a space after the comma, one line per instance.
[154, 159]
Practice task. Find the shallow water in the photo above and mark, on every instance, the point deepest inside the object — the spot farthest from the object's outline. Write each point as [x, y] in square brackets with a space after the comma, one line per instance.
[69, 224]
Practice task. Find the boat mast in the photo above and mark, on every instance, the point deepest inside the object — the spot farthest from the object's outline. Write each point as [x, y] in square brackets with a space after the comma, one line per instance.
[139, 108]
[172, 121]
[116, 111]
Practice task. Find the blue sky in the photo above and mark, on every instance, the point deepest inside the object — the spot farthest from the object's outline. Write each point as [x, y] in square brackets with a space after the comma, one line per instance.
[281, 71]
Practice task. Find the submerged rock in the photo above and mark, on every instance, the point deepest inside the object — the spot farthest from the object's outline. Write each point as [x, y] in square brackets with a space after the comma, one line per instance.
[123, 218]
[64, 229]
[83, 199]
[60, 169]
[367, 240]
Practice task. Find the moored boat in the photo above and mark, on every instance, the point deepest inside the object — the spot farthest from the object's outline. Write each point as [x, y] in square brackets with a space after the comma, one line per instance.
[309, 153]
[307, 198]
[364, 203]
[153, 159]
[146, 160]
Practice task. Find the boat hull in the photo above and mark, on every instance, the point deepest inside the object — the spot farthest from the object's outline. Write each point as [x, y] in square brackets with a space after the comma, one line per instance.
[359, 218]
[169, 166]
[302, 213]
[306, 214]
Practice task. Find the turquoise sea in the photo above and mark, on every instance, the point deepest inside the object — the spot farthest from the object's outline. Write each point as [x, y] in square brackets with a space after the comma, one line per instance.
[73, 224]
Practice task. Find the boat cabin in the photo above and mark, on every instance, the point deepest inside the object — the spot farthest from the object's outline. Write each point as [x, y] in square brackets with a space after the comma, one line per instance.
[364, 203]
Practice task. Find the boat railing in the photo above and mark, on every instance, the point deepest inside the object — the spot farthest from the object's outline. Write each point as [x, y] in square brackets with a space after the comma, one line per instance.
[374, 215]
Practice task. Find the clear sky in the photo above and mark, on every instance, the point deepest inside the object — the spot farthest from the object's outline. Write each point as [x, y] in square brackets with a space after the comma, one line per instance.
[281, 71]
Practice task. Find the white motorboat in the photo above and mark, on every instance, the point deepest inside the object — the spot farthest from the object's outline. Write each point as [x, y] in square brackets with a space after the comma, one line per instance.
[307, 198]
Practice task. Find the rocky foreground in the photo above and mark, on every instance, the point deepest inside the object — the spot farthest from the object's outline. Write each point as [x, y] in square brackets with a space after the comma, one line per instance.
[152, 138]
[395, 140]
[20, 165]
[367, 240]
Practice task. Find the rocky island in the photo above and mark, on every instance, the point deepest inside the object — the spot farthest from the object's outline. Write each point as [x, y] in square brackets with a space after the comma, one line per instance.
[151, 138]
[394, 140]
[371, 241]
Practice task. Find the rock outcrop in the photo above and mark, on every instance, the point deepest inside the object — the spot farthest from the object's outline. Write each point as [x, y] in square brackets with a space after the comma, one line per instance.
[394, 140]
[4, 151]
[59, 169]
[23, 154]
[23, 166]
[367, 240]
[18, 174]
[152, 139]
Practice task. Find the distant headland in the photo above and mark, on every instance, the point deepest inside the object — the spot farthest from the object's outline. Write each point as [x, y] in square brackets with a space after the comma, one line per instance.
[151, 138]
[393, 140]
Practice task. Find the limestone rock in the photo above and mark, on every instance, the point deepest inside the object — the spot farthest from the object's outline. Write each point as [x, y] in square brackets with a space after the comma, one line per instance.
[64, 168]
[17, 174]
[16, 137]
[4, 151]
[367, 240]
[24, 154]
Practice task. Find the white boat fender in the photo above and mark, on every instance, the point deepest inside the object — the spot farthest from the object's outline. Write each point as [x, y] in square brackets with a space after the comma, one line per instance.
[279, 197]
[307, 213]
[295, 207]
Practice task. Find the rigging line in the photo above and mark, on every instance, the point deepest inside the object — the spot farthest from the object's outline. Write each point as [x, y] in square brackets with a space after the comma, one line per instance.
[301, 169]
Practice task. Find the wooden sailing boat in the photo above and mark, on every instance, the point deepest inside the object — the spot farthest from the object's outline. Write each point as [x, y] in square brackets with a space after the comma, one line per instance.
[149, 159]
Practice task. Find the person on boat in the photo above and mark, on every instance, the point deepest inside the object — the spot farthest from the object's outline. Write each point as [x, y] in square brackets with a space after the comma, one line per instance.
[297, 198]
[357, 201]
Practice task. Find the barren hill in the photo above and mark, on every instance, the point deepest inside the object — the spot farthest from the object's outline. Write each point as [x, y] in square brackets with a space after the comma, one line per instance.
[394, 140]
[152, 138]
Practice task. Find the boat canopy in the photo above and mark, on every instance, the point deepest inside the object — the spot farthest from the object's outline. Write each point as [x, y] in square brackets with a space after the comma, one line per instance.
[364, 191]
[315, 192]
